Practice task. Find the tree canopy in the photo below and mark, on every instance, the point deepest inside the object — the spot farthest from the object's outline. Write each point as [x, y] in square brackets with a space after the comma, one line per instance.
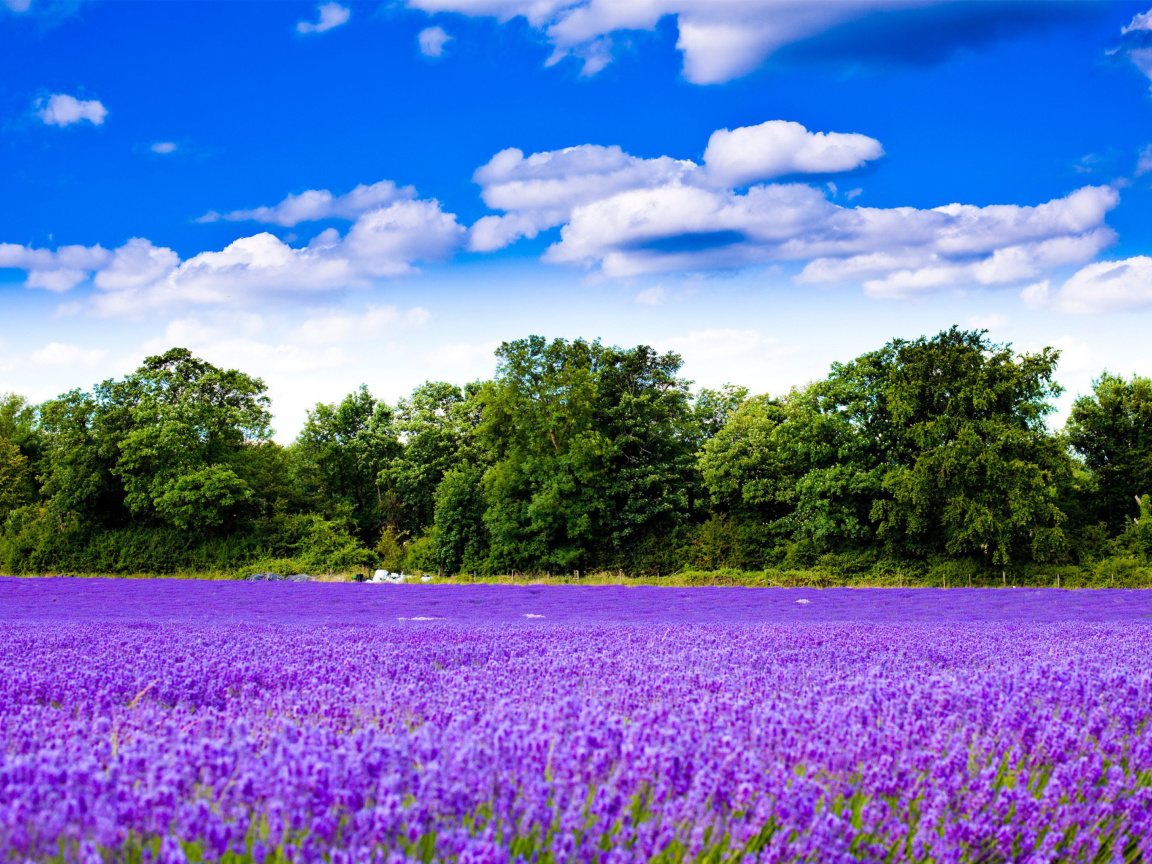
[578, 456]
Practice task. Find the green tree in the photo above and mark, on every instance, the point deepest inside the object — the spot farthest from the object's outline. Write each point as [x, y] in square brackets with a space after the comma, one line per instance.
[186, 423]
[1112, 432]
[15, 487]
[435, 428]
[460, 537]
[927, 447]
[343, 448]
[591, 451]
[978, 474]
[163, 445]
[20, 452]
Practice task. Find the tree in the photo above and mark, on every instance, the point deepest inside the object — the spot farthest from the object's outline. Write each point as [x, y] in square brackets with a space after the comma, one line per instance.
[930, 447]
[164, 444]
[345, 447]
[20, 451]
[460, 538]
[15, 487]
[748, 466]
[434, 427]
[186, 421]
[1112, 432]
[714, 408]
[590, 452]
[977, 472]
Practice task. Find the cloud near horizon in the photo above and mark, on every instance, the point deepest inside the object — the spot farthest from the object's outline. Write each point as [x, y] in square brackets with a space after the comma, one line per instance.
[140, 277]
[627, 216]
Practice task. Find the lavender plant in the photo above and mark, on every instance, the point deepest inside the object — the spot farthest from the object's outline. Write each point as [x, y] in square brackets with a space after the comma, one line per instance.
[166, 722]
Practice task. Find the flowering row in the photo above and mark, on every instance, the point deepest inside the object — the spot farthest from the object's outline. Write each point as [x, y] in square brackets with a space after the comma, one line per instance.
[429, 741]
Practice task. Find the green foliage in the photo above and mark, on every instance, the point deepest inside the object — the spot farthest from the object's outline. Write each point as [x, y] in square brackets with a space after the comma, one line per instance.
[160, 446]
[342, 449]
[976, 471]
[436, 426]
[459, 540]
[389, 551]
[591, 452]
[15, 483]
[928, 458]
[924, 448]
[1112, 432]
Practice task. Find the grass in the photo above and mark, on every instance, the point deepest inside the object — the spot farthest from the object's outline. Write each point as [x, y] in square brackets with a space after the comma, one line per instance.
[1109, 573]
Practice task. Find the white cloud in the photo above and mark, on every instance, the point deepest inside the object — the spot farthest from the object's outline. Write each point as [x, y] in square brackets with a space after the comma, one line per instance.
[331, 15]
[315, 204]
[60, 270]
[1105, 286]
[432, 41]
[654, 296]
[163, 147]
[1143, 21]
[63, 110]
[139, 277]
[18, 5]
[540, 191]
[780, 147]
[543, 190]
[716, 356]
[57, 354]
[629, 216]
[1076, 356]
[720, 39]
[1134, 43]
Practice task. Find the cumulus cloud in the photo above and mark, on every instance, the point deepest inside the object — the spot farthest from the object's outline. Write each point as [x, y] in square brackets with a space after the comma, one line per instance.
[331, 15]
[315, 204]
[719, 39]
[60, 109]
[543, 190]
[137, 277]
[163, 147]
[780, 147]
[1105, 286]
[432, 41]
[629, 216]
[59, 270]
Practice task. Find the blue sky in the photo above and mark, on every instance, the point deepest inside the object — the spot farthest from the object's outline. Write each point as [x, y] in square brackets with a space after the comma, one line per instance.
[328, 194]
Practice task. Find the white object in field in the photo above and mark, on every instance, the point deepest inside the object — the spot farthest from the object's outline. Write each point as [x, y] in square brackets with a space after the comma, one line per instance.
[425, 578]
[803, 601]
[382, 576]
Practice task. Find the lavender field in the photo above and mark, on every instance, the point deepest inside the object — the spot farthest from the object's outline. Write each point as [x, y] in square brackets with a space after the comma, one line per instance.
[199, 721]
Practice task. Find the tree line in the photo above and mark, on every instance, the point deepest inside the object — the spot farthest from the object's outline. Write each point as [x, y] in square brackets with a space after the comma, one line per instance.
[578, 456]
